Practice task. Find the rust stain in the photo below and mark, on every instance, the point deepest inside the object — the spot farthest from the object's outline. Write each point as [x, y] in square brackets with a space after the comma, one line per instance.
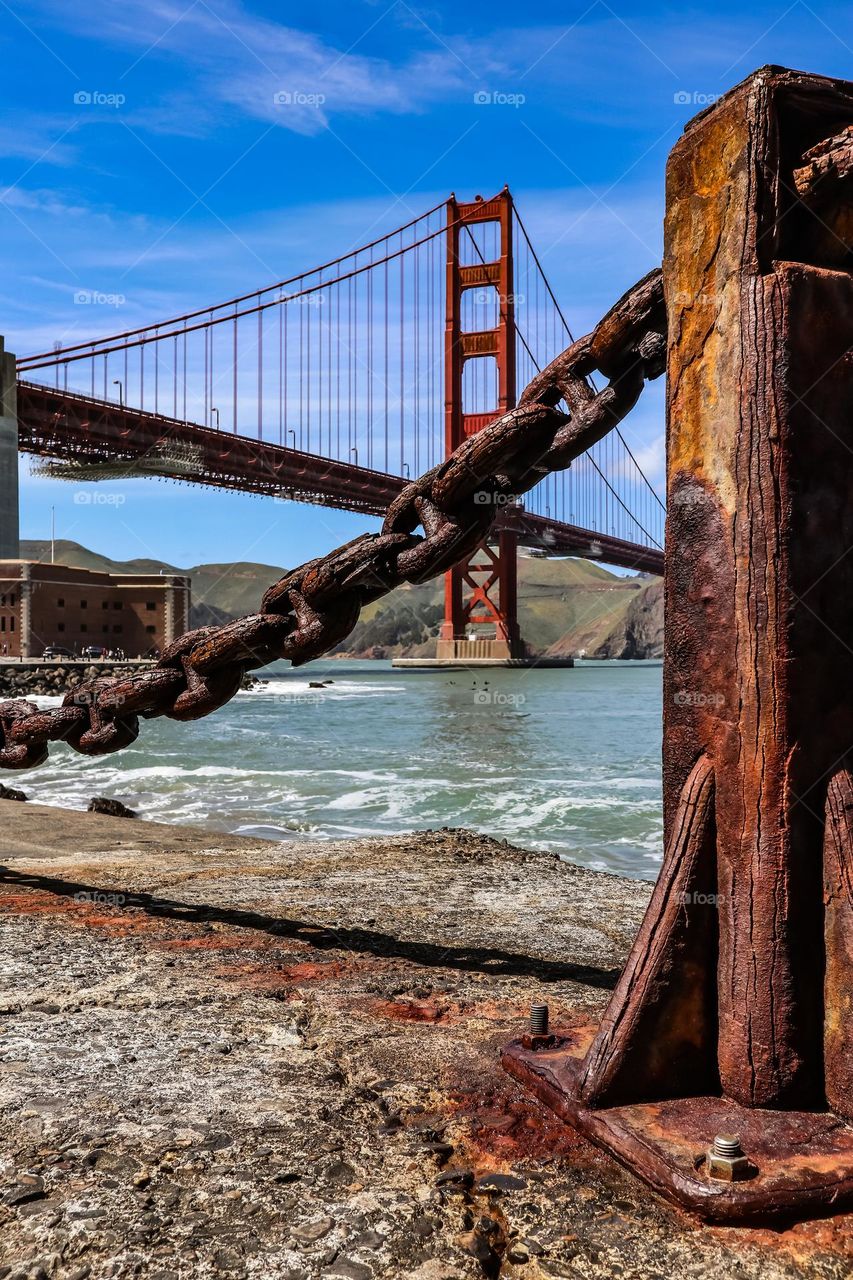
[434, 1011]
[502, 1128]
[285, 981]
[439, 1010]
[800, 1243]
[225, 942]
[93, 915]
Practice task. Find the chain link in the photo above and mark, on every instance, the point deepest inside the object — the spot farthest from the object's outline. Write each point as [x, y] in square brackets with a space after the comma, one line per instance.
[312, 608]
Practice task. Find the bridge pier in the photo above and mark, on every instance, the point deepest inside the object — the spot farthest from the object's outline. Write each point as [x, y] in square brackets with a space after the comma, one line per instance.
[9, 517]
[739, 988]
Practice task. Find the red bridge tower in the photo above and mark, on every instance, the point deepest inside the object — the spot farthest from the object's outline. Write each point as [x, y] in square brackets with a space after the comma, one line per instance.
[483, 592]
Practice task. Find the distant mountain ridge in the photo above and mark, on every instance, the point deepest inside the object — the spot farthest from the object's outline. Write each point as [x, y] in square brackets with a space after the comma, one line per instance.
[565, 606]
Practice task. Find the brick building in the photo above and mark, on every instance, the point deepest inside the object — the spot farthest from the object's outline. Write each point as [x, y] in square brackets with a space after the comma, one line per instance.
[55, 604]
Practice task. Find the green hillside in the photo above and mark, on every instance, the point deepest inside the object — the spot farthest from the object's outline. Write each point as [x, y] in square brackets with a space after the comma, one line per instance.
[219, 591]
[565, 606]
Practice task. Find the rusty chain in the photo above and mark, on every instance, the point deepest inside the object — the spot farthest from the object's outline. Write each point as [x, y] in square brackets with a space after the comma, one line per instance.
[314, 607]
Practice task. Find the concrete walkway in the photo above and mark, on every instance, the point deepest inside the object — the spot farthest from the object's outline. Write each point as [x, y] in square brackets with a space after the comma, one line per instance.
[223, 1056]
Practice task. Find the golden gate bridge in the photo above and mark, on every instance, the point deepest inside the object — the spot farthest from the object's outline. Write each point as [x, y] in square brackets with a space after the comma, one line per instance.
[339, 384]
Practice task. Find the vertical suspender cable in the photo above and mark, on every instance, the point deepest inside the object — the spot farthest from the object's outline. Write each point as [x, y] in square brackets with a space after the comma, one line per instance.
[416, 379]
[281, 373]
[285, 403]
[329, 369]
[386, 375]
[369, 371]
[346, 395]
[301, 371]
[260, 374]
[308, 387]
[402, 325]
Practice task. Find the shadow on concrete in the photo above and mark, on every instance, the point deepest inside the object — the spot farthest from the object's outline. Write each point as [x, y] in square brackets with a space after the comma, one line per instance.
[326, 937]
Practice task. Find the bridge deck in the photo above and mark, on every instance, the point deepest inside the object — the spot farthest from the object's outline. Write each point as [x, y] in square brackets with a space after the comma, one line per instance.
[92, 432]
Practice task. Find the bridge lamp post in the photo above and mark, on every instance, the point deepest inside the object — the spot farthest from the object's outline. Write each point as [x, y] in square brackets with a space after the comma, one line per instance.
[406, 471]
[213, 409]
[117, 383]
[354, 452]
[291, 432]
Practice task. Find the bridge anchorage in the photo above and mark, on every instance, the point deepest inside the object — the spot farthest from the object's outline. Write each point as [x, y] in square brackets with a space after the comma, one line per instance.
[722, 1069]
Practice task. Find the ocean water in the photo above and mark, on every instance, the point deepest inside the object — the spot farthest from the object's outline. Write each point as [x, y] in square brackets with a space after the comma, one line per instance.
[563, 760]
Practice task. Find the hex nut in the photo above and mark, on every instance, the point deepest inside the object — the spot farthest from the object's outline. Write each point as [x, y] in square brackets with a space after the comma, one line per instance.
[534, 1042]
[725, 1161]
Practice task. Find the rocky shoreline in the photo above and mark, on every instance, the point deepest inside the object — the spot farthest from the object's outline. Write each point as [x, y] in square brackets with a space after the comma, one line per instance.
[224, 1057]
[38, 678]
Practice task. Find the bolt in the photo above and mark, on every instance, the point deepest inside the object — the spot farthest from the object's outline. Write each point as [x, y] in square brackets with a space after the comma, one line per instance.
[725, 1160]
[728, 1147]
[539, 1020]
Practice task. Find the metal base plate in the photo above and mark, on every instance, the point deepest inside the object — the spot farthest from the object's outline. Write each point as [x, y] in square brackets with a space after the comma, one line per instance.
[804, 1159]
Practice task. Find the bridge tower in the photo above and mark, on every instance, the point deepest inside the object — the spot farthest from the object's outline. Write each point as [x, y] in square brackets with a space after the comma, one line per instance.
[482, 592]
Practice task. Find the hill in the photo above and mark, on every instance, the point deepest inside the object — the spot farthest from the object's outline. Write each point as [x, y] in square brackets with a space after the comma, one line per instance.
[219, 591]
[565, 606]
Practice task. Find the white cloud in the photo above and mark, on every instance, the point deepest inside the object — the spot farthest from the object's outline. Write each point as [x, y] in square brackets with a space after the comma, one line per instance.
[232, 59]
[46, 201]
[45, 142]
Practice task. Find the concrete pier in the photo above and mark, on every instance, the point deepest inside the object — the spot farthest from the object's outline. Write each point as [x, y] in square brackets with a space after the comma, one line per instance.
[229, 1058]
[466, 663]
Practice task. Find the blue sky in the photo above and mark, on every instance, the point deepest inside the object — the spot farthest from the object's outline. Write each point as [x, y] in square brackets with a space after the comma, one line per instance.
[183, 183]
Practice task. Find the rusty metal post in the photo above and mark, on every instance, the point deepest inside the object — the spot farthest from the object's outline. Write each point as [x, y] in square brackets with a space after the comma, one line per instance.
[733, 1013]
